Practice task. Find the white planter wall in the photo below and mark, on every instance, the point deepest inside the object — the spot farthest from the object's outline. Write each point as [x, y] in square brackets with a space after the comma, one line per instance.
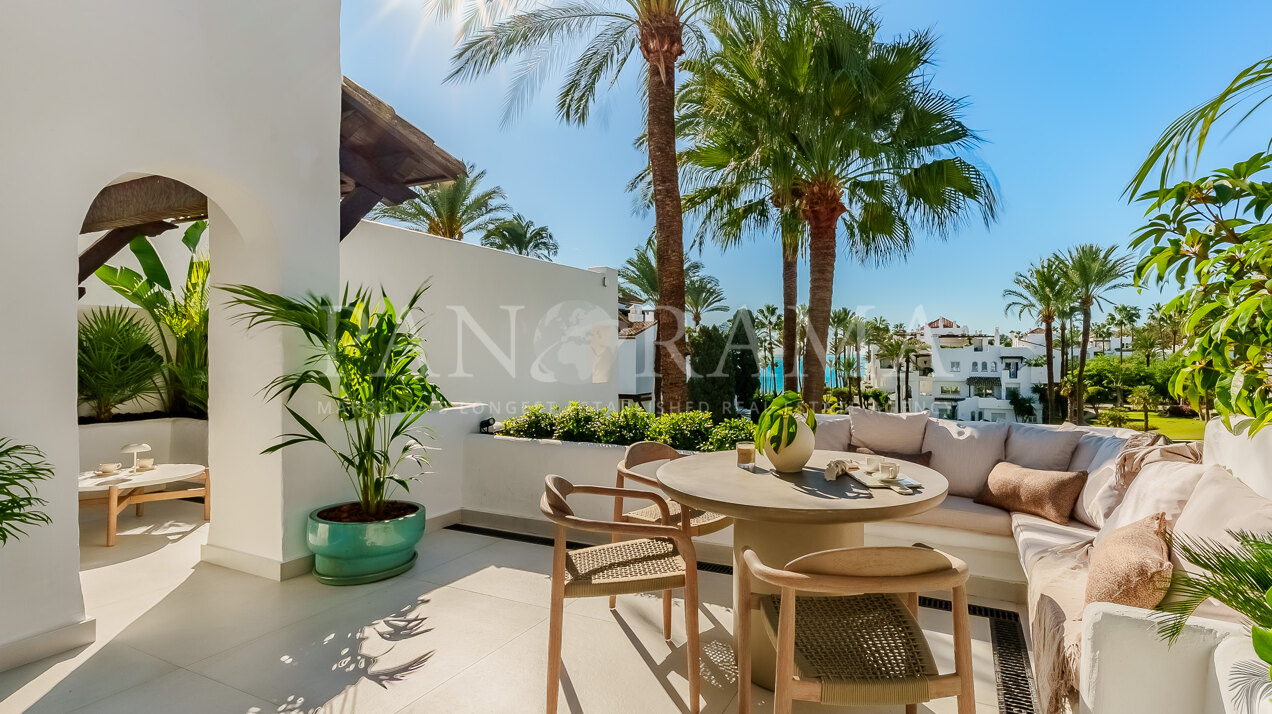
[173, 441]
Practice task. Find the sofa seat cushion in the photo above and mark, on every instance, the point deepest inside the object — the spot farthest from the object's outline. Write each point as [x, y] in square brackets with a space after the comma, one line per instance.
[881, 431]
[1045, 448]
[965, 453]
[1036, 537]
[1057, 595]
[965, 514]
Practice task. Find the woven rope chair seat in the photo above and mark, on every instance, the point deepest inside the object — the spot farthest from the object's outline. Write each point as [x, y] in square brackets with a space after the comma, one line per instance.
[625, 567]
[703, 522]
[865, 649]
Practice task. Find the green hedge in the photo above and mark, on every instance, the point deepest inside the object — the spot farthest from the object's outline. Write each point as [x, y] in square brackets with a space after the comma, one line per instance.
[689, 431]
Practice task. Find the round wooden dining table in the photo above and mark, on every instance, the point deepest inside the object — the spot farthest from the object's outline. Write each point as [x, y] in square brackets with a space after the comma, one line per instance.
[784, 516]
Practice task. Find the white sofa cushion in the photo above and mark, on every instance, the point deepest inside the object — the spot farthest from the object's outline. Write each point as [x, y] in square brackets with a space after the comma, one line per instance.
[1097, 455]
[834, 432]
[966, 515]
[1248, 458]
[1160, 487]
[965, 453]
[1036, 536]
[1221, 503]
[1041, 447]
[881, 431]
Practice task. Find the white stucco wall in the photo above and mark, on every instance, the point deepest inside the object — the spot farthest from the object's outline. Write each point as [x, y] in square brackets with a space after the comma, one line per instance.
[498, 326]
[237, 98]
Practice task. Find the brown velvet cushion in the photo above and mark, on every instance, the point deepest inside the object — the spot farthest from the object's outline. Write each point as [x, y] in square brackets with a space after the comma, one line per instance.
[1046, 494]
[922, 459]
[1132, 565]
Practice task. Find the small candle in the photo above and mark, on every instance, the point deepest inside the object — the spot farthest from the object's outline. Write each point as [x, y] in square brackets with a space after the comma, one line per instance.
[873, 462]
[746, 454]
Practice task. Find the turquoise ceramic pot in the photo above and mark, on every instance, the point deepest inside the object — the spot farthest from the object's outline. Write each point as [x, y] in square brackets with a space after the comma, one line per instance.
[356, 553]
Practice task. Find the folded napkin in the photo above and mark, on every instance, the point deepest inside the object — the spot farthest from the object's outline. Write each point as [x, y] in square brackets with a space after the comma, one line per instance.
[837, 468]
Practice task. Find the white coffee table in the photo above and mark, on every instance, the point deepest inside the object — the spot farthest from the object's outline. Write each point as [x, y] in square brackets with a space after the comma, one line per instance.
[127, 487]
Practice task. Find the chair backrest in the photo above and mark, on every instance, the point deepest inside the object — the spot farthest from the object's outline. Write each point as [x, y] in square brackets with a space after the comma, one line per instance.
[553, 504]
[901, 569]
[642, 452]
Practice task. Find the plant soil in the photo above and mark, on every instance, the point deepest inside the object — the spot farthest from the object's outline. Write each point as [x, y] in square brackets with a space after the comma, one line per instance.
[353, 512]
[140, 416]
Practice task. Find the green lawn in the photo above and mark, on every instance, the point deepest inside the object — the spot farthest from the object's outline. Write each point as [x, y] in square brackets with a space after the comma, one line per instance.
[1173, 428]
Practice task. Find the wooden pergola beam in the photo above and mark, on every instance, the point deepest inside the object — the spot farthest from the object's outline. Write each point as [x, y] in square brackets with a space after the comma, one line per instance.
[141, 201]
[366, 174]
[105, 248]
[354, 207]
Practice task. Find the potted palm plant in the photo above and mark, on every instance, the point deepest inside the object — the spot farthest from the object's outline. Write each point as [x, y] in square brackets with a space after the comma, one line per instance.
[368, 363]
[785, 433]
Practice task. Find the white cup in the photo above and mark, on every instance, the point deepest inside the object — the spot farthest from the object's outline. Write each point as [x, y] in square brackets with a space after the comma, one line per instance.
[146, 463]
[108, 468]
[891, 469]
[873, 461]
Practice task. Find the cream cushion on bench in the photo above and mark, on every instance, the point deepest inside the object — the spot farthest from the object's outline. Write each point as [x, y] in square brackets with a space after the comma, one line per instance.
[967, 515]
[965, 453]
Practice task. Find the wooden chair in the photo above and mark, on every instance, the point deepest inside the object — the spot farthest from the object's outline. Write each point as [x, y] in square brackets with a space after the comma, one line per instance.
[660, 557]
[855, 640]
[700, 522]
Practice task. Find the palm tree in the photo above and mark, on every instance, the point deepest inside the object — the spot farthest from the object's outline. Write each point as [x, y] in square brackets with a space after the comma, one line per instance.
[1091, 272]
[451, 209]
[842, 322]
[801, 339]
[873, 333]
[1039, 293]
[609, 32]
[893, 349]
[639, 274]
[874, 145]
[741, 176]
[769, 322]
[702, 295]
[521, 236]
[1123, 319]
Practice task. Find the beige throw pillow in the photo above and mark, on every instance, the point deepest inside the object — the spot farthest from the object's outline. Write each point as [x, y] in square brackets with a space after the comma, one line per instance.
[965, 453]
[1132, 566]
[881, 431]
[834, 432]
[1046, 494]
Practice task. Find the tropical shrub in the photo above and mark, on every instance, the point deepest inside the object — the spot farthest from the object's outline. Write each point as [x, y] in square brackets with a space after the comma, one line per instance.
[579, 422]
[380, 388]
[1021, 406]
[1238, 575]
[117, 361]
[1113, 416]
[1213, 238]
[744, 347]
[20, 467]
[536, 422]
[625, 426]
[682, 430]
[180, 319]
[728, 433]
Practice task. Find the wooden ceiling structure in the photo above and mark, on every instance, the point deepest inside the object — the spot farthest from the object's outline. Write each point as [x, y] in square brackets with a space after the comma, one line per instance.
[382, 158]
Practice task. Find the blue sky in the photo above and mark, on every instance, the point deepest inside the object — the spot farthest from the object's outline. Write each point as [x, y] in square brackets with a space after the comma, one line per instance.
[1068, 95]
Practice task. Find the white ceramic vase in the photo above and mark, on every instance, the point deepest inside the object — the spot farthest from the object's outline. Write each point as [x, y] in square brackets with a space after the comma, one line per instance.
[791, 458]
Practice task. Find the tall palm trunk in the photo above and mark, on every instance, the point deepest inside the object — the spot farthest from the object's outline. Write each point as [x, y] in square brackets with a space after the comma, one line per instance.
[822, 208]
[1051, 375]
[1121, 374]
[907, 384]
[1079, 386]
[861, 400]
[1064, 349]
[790, 318]
[660, 43]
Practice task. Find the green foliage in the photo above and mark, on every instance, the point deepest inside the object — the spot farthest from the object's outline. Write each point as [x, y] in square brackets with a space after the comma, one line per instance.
[117, 360]
[536, 422]
[1021, 406]
[1212, 237]
[1238, 575]
[20, 467]
[711, 387]
[521, 236]
[180, 319]
[579, 422]
[625, 426]
[728, 433]
[1113, 416]
[682, 430]
[1145, 399]
[881, 399]
[367, 360]
[779, 423]
[744, 348]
